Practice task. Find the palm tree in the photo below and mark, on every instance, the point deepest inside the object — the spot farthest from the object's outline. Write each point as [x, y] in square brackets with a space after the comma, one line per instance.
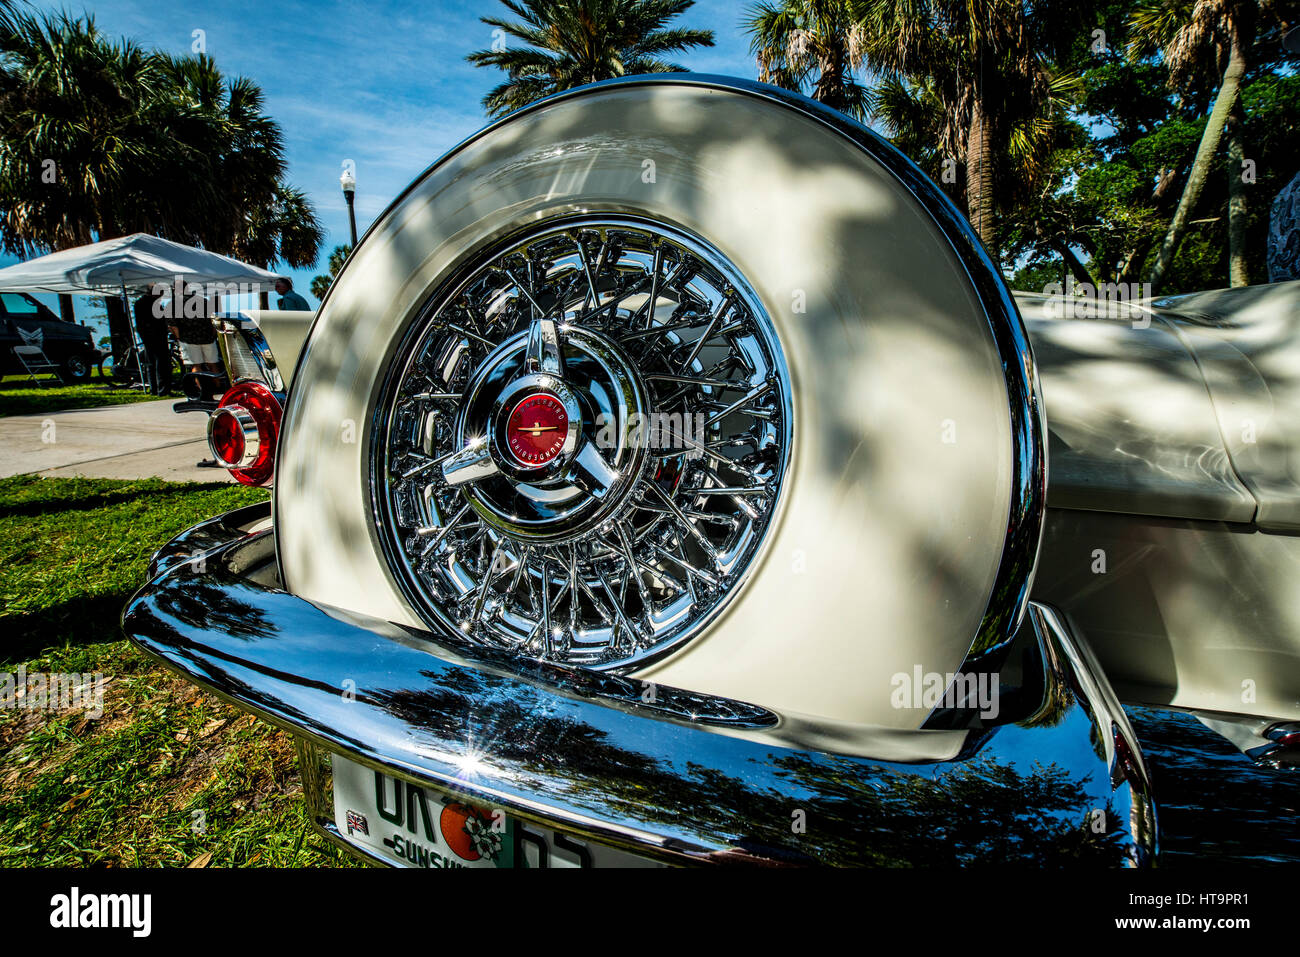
[284, 230]
[813, 46]
[321, 284]
[99, 137]
[257, 217]
[916, 120]
[72, 131]
[914, 116]
[229, 143]
[572, 42]
[990, 66]
[75, 136]
[1196, 37]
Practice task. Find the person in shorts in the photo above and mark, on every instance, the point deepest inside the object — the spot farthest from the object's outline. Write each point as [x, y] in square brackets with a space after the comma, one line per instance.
[198, 341]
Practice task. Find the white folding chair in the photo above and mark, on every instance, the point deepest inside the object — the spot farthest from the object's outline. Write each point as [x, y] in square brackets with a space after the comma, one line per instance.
[31, 355]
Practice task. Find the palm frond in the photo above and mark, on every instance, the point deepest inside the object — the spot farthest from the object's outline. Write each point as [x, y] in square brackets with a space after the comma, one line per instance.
[567, 43]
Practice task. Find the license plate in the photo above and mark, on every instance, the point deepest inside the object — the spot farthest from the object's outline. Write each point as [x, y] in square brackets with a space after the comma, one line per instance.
[410, 825]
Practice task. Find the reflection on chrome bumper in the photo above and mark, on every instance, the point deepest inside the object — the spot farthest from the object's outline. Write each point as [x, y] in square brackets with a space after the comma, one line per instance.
[683, 778]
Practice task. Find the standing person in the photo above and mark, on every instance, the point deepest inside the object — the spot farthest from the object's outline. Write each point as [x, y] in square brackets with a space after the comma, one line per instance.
[288, 298]
[153, 334]
[198, 339]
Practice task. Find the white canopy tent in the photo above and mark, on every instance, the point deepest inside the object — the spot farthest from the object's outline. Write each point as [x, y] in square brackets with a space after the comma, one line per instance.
[127, 264]
[133, 264]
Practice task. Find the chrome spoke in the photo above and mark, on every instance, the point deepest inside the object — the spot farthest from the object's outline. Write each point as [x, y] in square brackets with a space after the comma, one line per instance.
[739, 403]
[442, 532]
[573, 591]
[633, 567]
[591, 282]
[425, 466]
[546, 607]
[692, 570]
[691, 528]
[526, 293]
[472, 335]
[692, 380]
[653, 299]
[661, 330]
[436, 396]
[707, 334]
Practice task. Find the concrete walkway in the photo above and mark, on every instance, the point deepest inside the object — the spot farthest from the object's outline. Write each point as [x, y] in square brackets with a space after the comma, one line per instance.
[142, 440]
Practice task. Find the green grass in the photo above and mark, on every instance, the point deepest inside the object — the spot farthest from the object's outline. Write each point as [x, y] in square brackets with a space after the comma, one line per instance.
[131, 787]
[19, 397]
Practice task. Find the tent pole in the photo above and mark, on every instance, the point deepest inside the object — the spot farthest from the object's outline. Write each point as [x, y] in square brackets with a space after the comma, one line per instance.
[137, 343]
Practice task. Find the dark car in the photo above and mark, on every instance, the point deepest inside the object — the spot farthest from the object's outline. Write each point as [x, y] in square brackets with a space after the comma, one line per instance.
[67, 344]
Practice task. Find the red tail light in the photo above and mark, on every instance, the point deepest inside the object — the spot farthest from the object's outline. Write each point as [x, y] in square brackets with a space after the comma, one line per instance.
[243, 432]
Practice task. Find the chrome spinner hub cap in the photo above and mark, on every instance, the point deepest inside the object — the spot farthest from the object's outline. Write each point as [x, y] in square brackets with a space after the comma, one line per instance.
[542, 455]
[581, 446]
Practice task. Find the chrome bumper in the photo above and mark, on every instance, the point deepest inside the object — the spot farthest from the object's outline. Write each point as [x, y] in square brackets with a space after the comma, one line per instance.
[670, 775]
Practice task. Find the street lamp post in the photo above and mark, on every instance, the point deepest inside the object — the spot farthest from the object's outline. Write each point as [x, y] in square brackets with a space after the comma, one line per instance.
[349, 183]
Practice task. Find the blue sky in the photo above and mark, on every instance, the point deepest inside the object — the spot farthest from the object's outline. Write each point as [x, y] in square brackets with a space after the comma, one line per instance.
[383, 84]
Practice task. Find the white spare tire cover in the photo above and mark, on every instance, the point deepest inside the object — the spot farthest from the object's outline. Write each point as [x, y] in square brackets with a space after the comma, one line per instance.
[908, 518]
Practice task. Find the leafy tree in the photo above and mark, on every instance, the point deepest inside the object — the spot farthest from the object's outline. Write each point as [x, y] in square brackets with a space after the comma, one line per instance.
[1044, 149]
[78, 137]
[1052, 222]
[812, 46]
[321, 284]
[1192, 36]
[100, 138]
[257, 217]
[988, 67]
[1120, 185]
[569, 43]
[1270, 105]
[1094, 199]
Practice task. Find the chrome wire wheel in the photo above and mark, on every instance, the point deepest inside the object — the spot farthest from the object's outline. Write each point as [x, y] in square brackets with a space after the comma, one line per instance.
[582, 444]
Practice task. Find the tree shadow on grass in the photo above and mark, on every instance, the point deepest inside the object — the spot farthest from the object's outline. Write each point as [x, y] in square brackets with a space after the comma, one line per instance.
[56, 504]
[88, 620]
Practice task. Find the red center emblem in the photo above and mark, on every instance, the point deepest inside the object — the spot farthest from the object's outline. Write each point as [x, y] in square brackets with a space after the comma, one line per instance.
[536, 429]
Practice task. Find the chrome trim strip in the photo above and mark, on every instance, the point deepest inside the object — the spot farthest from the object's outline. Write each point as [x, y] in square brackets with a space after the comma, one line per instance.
[245, 352]
[566, 748]
[1010, 593]
[1123, 756]
[220, 531]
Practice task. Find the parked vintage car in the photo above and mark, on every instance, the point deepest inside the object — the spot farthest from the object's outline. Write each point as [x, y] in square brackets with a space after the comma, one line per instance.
[26, 321]
[664, 479]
